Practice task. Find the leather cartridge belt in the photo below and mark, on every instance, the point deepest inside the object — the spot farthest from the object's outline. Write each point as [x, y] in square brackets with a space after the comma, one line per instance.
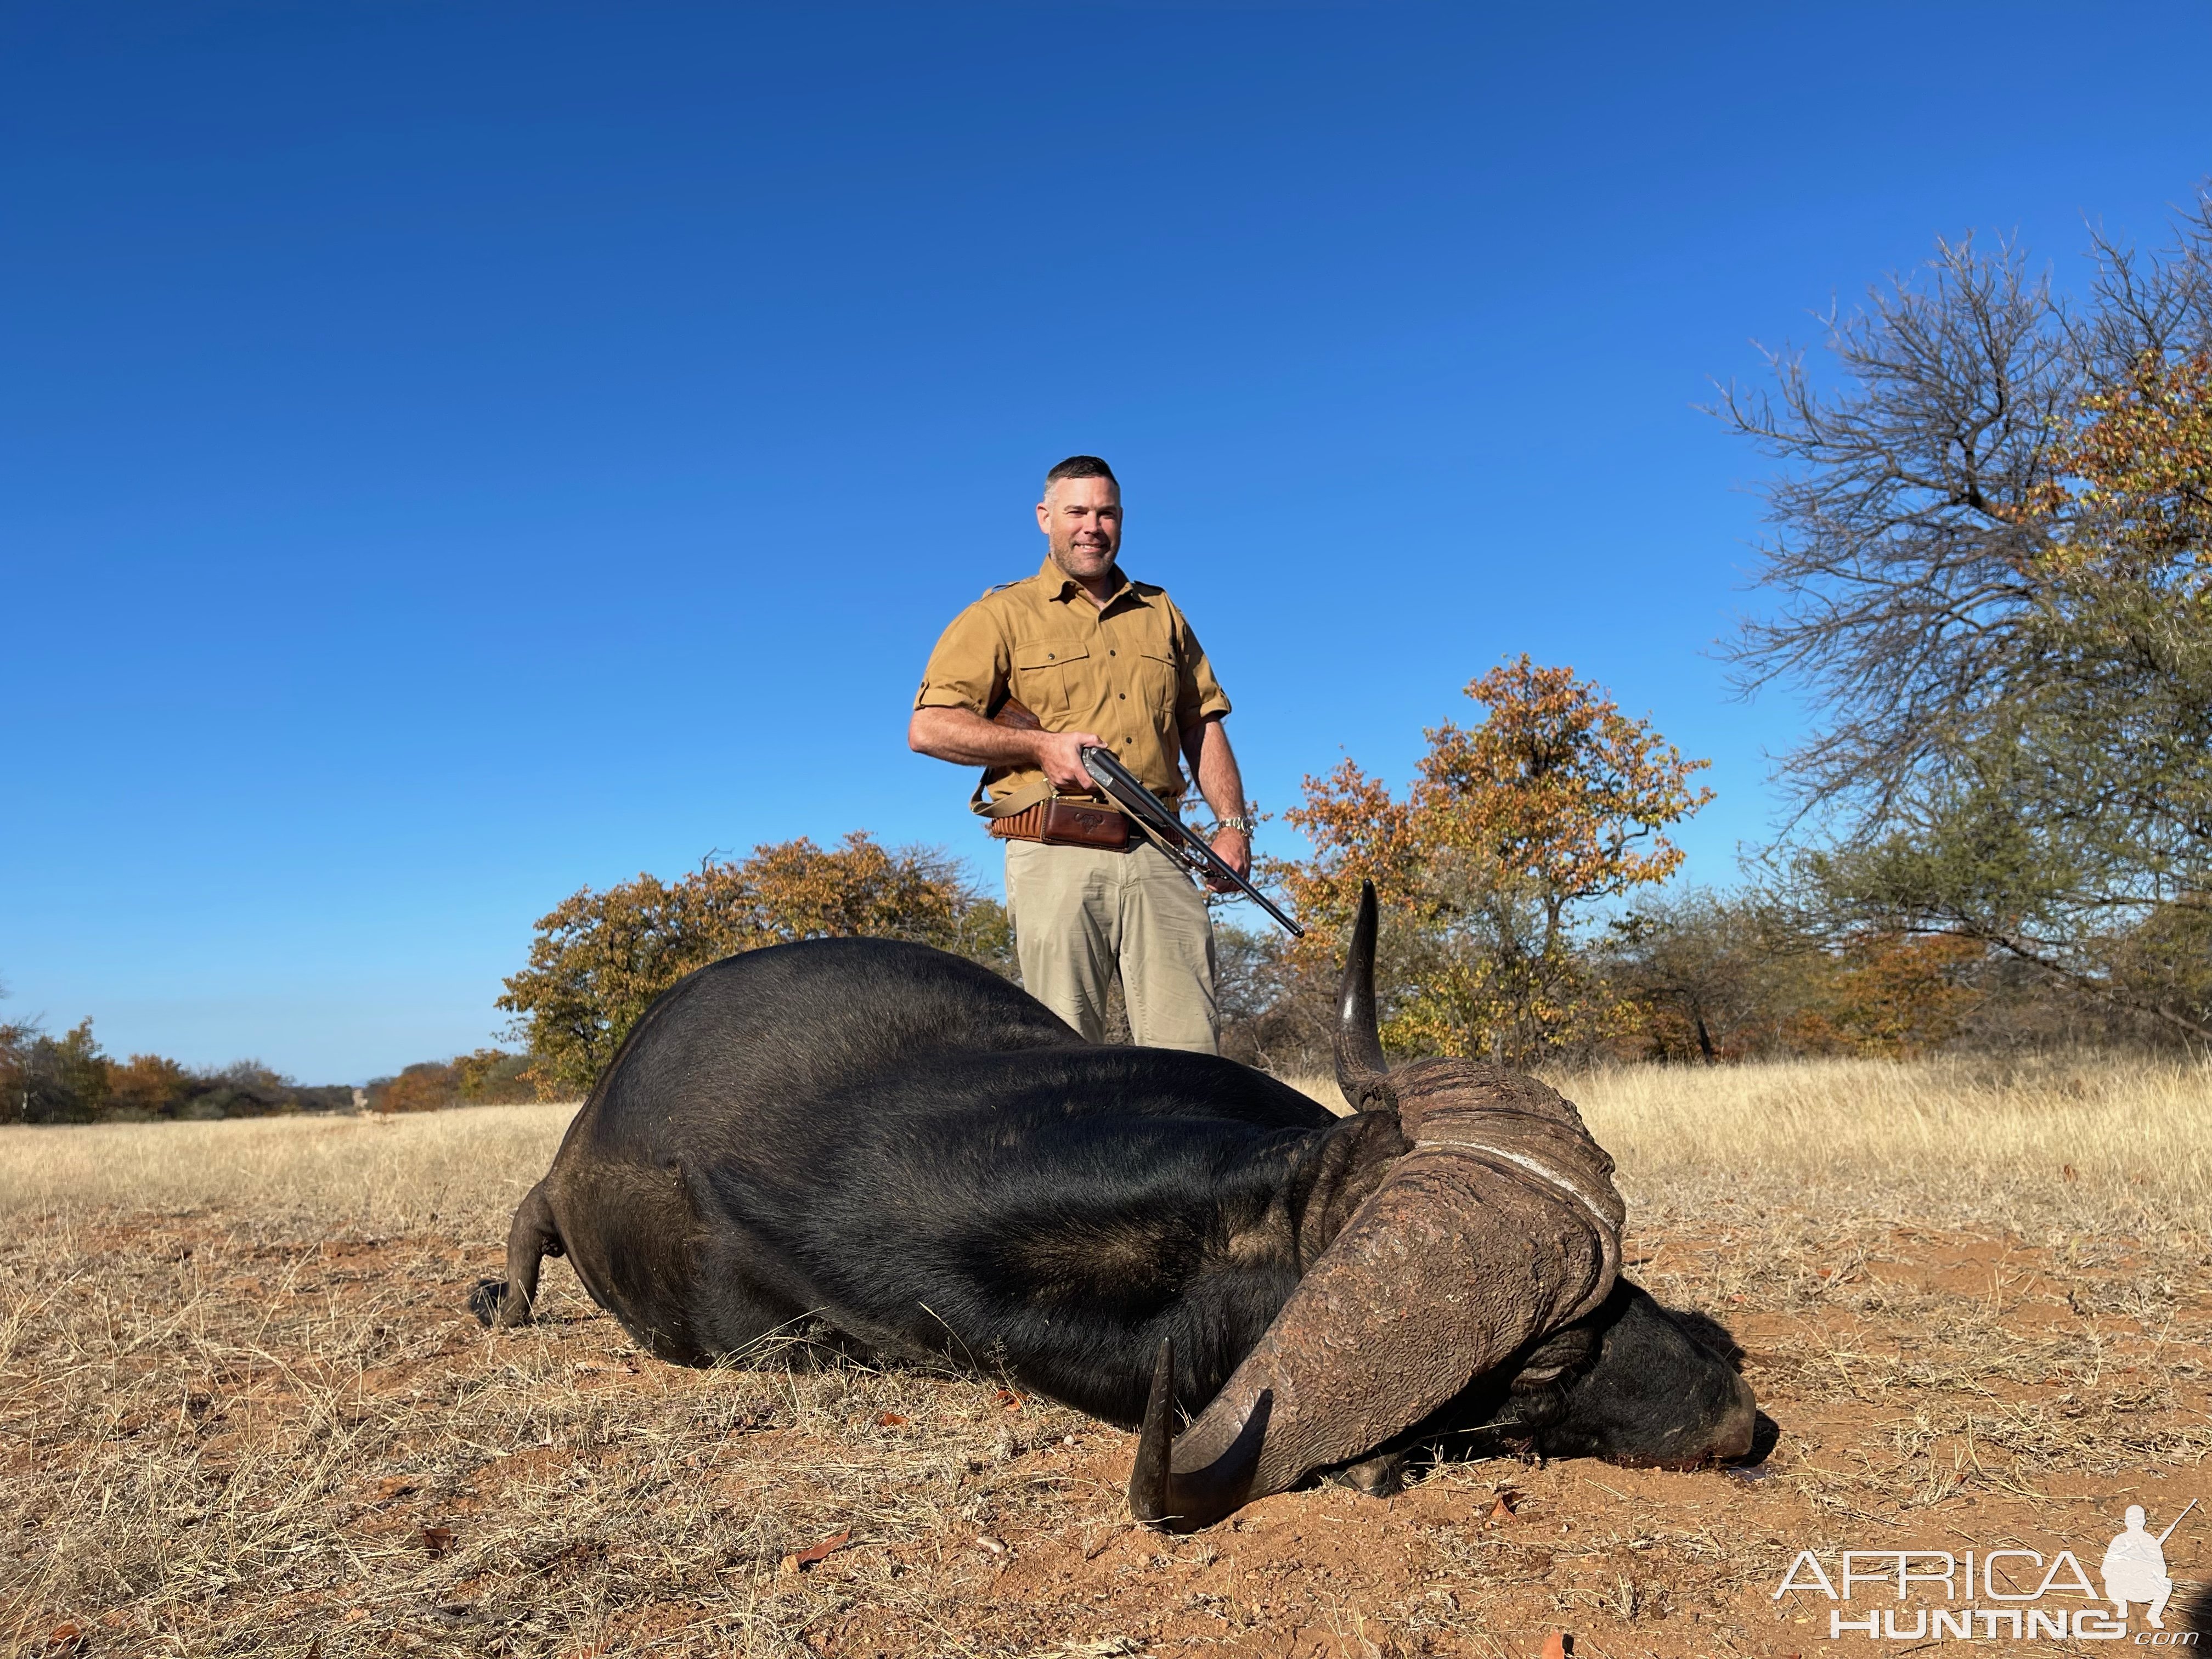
[1059, 822]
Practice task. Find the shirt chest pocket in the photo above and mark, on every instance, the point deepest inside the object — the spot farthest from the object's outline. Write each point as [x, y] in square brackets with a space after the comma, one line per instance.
[1052, 678]
[1153, 670]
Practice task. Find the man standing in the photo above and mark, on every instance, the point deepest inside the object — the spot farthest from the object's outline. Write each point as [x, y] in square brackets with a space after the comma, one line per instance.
[1100, 660]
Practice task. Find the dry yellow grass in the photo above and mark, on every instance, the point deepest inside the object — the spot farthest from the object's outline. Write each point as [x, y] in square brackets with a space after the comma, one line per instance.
[362, 1174]
[242, 1412]
[2081, 1143]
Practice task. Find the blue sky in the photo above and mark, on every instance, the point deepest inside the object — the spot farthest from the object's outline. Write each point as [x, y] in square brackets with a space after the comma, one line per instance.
[453, 454]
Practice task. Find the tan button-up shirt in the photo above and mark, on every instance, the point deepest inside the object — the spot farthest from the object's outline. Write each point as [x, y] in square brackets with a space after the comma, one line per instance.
[1132, 671]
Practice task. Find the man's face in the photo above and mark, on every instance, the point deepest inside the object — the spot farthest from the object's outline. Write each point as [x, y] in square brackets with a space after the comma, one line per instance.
[1081, 518]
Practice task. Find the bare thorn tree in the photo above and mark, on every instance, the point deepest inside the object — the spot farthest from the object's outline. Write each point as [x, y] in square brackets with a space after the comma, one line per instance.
[1991, 566]
[1901, 522]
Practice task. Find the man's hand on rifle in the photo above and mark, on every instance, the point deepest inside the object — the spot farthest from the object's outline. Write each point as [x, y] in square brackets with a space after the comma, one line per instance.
[1234, 848]
[1061, 754]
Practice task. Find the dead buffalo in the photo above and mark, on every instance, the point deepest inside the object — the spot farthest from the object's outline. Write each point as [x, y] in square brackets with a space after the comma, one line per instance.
[901, 1150]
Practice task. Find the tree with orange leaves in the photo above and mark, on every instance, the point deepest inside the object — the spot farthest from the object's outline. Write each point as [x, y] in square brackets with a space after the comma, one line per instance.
[599, 959]
[1891, 994]
[2134, 482]
[1552, 802]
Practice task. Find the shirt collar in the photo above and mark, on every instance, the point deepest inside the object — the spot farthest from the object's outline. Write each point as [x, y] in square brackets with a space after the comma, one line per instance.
[1059, 585]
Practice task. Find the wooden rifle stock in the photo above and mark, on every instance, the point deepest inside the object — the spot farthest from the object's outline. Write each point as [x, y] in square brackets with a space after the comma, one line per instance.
[1015, 717]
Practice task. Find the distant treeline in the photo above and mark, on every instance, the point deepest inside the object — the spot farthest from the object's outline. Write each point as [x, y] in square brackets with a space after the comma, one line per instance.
[489, 1076]
[70, 1079]
[1689, 977]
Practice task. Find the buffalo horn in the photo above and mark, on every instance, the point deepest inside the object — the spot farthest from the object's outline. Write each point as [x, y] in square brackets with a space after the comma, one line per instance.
[1360, 1070]
[1499, 1225]
[1160, 1495]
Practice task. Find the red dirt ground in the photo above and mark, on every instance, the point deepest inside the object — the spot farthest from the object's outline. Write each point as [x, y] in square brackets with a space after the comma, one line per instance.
[557, 1491]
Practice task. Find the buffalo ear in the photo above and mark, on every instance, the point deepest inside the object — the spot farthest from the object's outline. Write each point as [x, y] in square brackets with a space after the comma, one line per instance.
[1348, 1163]
[1569, 1348]
[1361, 1071]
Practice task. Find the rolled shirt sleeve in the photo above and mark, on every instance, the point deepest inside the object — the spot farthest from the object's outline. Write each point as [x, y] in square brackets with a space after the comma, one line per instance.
[969, 668]
[1198, 696]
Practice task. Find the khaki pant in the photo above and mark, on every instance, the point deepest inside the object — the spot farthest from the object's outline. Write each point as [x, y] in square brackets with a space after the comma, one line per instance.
[1079, 913]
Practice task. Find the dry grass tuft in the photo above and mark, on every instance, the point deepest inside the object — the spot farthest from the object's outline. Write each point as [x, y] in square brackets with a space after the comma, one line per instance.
[242, 1411]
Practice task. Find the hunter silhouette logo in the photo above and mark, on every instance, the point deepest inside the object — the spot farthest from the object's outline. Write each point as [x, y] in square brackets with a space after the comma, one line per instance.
[2135, 1566]
[2004, 1594]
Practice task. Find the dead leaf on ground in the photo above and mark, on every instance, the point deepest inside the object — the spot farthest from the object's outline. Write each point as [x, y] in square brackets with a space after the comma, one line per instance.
[799, 1560]
[437, 1541]
[66, 1638]
[1558, 1645]
[1010, 1400]
[889, 1420]
[1503, 1509]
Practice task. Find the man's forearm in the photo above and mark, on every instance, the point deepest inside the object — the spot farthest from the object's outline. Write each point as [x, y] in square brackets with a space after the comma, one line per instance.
[966, 738]
[1215, 763]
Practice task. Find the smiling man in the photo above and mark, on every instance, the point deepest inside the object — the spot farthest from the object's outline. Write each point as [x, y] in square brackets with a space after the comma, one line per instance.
[1098, 659]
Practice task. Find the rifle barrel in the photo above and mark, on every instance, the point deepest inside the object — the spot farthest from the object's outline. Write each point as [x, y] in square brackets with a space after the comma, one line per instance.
[1159, 820]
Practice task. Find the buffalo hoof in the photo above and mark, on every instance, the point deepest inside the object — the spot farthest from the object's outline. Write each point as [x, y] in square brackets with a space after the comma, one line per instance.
[1382, 1475]
[494, 1306]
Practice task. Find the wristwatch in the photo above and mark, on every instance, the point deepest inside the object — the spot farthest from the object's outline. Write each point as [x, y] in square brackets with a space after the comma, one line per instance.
[1243, 826]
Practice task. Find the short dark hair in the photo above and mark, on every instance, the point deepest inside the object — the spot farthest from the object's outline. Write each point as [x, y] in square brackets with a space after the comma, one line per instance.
[1081, 466]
